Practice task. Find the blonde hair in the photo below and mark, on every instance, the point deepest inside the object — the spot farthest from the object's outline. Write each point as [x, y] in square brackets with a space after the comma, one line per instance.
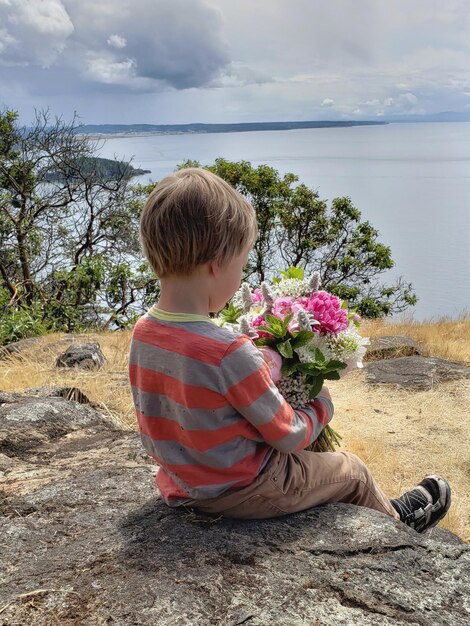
[192, 217]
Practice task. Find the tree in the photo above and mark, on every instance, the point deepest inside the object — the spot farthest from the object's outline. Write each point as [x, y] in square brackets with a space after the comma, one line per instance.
[69, 250]
[297, 228]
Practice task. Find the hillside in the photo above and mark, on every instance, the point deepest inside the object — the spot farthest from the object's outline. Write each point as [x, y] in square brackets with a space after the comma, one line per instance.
[96, 167]
[402, 435]
[111, 129]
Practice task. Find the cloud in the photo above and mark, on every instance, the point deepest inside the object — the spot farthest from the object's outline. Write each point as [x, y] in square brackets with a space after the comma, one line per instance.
[33, 32]
[224, 61]
[172, 42]
[116, 41]
[5, 39]
[104, 69]
[240, 75]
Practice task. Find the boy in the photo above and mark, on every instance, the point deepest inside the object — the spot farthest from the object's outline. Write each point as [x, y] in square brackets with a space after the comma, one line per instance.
[225, 439]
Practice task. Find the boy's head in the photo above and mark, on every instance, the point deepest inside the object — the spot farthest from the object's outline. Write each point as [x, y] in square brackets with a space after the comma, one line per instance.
[192, 217]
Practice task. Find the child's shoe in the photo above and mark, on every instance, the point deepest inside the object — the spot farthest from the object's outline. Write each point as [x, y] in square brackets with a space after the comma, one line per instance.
[421, 508]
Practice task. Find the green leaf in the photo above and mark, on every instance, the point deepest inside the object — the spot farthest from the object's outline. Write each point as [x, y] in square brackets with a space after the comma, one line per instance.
[336, 365]
[273, 320]
[344, 304]
[302, 338]
[309, 368]
[286, 320]
[231, 313]
[274, 331]
[293, 272]
[315, 388]
[332, 375]
[285, 349]
[265, 341]
[319, 356]
[289, 366]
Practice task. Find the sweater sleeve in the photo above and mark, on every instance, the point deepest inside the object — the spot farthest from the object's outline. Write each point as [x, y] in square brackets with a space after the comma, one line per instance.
[245, 381]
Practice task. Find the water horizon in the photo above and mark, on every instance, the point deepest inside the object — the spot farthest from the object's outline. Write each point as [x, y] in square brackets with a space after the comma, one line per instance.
[410, 180]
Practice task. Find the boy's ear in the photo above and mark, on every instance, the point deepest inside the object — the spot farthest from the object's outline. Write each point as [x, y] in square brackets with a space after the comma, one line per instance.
[214, 268]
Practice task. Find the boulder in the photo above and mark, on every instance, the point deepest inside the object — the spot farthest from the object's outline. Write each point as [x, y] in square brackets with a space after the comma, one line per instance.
[17, 347]
[391, 347]
[84, 356]
[27, 422]
[87, 541]
[39, 343]
[51, 391]
[415, 372]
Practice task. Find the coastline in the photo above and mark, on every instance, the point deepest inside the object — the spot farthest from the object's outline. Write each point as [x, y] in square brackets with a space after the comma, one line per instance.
[103, 131]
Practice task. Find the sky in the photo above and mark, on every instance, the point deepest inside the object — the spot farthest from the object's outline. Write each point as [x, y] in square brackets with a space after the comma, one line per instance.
[223, 61]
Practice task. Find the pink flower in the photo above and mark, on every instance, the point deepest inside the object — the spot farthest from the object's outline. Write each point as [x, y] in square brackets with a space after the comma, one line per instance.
[327, 310]
[299, 304]
[274, 361]
[259, 322]
[282, 307]
[257, 296]
[293, 325]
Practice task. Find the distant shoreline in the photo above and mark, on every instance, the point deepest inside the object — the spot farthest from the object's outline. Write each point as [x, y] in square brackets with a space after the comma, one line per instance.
[101, 131]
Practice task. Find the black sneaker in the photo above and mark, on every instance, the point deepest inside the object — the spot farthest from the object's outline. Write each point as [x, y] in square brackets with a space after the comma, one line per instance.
[421, 508]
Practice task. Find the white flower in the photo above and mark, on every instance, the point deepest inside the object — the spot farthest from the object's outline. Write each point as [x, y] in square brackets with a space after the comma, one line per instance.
[294, 390]
[314, 281]
[303, 320]
[349, 346]
[307, 353]
[292, 287]
[219, 321]
[237, 299]
[267, 295]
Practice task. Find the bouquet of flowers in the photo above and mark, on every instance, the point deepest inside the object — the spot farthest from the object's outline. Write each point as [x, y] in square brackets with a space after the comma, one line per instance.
[306, 336]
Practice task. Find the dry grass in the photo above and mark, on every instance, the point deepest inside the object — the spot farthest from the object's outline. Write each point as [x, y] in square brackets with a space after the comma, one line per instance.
[401, 435]
[445, 338]
[108, 387]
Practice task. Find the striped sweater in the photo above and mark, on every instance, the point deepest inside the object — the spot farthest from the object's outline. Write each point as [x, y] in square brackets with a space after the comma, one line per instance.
[208, 411]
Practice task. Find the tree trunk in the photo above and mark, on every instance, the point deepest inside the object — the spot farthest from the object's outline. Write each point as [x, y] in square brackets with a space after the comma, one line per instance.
[25, 267]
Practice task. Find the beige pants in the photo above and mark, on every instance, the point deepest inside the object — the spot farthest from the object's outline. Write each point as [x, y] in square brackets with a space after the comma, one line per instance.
[300, 480]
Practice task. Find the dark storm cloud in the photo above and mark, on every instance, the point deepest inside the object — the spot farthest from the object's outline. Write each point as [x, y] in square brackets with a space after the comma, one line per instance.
[138, 45]
[220, 60]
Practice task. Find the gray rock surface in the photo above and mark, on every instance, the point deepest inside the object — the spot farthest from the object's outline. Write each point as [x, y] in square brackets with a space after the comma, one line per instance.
[391, 347]
[18, 346]
[52, 391]
[415, 372]
[28, 345]
[28, 422]
[86, 541]
[85, 356]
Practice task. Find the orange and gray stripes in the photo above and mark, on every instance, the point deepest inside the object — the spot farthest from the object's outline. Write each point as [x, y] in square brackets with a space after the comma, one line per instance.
[208, 411]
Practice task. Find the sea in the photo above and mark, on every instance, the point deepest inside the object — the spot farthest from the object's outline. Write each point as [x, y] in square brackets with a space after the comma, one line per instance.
[411, 181]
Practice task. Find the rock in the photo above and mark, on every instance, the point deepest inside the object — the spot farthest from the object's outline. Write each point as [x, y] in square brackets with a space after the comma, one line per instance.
[390, 347]
[27, 423]
[86, 541]
[415, 372]
[85, 356]
[32, 344]
[69, 393]
[18, 346]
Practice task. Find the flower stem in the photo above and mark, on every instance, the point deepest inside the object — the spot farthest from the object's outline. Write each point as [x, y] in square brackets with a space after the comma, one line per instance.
[326, 441]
